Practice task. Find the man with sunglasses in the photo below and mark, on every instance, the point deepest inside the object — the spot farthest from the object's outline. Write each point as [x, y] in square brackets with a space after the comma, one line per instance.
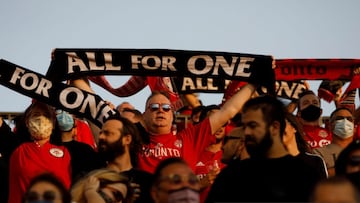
[188, 143]
[342, 128]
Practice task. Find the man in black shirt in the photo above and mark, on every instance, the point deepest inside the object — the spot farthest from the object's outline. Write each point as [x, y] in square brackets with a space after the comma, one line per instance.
[271, 174]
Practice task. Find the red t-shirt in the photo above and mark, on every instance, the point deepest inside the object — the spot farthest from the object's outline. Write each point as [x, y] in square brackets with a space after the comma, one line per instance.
[316, 136]
[188, 144]
[30, 160]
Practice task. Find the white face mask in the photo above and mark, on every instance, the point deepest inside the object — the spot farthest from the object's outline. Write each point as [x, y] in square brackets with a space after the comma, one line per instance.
[184, 195]
[344, 128]
[40, 127]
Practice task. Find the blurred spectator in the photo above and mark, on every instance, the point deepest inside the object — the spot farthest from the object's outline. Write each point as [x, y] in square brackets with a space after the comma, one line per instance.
[209, 164]
[83, 157]
[174, 181]
[335, 189]
[348, 160]
[46, 187]
[342, 128]
[102, 186]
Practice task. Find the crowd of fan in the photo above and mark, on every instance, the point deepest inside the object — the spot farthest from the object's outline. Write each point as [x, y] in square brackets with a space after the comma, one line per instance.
[248, 149]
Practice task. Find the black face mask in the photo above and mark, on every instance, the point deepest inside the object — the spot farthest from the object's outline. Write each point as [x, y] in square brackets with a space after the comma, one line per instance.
[311, 113]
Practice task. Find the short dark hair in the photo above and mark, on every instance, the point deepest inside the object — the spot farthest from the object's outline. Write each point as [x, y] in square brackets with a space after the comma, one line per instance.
[304, 93]
[164, 163]
[339, 109]
[271, 108]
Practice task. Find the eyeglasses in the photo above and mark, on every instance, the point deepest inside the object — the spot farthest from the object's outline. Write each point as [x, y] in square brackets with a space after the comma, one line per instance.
[156, 107]
[349, 118]
[229, 137]
[48, 195]
[118, 196]
[177, 179]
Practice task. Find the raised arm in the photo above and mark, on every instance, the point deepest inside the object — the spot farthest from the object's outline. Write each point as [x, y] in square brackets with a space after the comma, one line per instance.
[231, 107]
[259, 77]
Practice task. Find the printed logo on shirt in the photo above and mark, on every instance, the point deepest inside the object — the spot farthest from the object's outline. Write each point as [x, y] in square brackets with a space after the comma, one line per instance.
[178, 143]
[320, 143]
[323, 142]
[200, 164]
[323, 133]
[160, 152]
[56, 152]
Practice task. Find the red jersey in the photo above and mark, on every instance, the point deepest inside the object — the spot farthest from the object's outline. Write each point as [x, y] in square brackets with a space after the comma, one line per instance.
[188, 144]
[317, 136]
[30, 159]
[207, 161]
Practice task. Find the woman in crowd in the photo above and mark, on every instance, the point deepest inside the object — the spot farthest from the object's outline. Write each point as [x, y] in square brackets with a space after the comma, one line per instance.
[102, 186]
[42, 152]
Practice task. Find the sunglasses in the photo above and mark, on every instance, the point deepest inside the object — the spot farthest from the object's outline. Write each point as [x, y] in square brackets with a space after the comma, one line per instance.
[229, 137]
[156, 106]
[48, 195]
[177, 179]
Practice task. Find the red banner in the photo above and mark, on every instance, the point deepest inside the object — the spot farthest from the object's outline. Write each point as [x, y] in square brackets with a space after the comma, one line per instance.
[315, 69]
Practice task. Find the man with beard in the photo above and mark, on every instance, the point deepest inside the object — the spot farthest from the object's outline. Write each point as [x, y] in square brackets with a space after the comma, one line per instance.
[119, 145]
[271, 174]
[309, 114]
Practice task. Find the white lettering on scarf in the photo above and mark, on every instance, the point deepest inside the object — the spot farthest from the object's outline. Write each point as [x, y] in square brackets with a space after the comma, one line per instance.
[30, 81]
